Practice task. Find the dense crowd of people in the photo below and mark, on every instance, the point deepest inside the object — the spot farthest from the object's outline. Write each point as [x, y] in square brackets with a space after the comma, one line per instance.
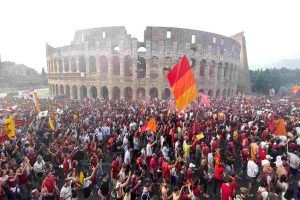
[97, 150]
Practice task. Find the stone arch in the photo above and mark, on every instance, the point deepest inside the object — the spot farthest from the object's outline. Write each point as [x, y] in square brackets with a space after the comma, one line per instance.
[202, 67]
[104, 92]
[231, 72]
[53, 89]
[115, 62]
[92, 64]
[141, 67]
[141, 92]
[73, 65]
[166, 94]
[219, 71]
[66, 65]
[68, 92]
[83, 92]
[82, 65]
[61, 89]
[202, 91]
[167, 66]
[210, 93]
[154, 64]
[56, 89]
[103, 65]
[153, 93]
[128, 93]
[212, 69]
[116, 93]
[93, 92]
[229, 92]
[74, 92]
[224, 93]
[60, 66]
[127, 66]
[226, 70]
[218, 93]
[55, 65]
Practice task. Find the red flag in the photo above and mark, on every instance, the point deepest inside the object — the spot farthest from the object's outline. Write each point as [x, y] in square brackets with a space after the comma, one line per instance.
[183, 84]
[149, 126]
[279, 127]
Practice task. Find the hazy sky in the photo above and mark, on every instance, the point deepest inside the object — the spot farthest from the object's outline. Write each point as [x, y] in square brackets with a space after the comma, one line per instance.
[271, 27]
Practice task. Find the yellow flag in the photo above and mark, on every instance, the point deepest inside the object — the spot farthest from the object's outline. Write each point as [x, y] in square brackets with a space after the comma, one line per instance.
[81, 177]
[9, 127]
[36, 102]
[51, 124]
[200, 136]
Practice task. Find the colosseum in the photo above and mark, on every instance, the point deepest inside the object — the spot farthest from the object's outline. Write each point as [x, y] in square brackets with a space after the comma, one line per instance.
[108, 63]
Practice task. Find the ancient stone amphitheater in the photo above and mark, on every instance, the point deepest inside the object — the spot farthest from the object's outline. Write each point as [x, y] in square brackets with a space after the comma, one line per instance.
[108, 63]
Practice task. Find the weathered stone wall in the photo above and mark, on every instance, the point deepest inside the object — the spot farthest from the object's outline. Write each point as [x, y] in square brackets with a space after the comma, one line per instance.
[108, 63]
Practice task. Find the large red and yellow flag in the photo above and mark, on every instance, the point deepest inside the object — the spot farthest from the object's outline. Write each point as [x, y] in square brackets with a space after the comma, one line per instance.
[149, 126]
[183, 84]
[279, 127]
[36, 101]
[7, 129]
[295, 89]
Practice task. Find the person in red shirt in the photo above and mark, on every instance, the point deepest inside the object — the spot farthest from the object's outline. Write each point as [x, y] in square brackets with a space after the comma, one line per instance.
[220, 173]
[49, 186]
[115, 169]
[152, 168]
[226, 190]
[196, 189]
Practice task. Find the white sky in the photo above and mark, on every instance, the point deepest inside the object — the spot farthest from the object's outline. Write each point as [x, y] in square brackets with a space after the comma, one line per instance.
[271, 27]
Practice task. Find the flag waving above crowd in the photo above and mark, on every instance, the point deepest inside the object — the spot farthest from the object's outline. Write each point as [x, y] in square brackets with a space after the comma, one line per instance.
[183, 84]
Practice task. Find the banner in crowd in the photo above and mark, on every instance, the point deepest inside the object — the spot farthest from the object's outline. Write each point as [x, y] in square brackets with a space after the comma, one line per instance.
[149, 126]
[277, 127]
[183, 84]
[51, 125]
[7, 129]
[295, 89]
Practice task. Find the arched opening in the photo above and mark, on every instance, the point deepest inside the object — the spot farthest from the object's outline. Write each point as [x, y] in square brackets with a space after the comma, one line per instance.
[115, 65]
[219, 71]
[218, 93]
[166, 94]
[82, 65]
[103, 65]
[116, 94]
[154, 67]
[56, 90]
[104, 92]
[141, 67]
[74, 92]
[202, 91]
[153, 93]
[92, 64]
[167, 66]
[202, 67]
[66, 65]
[128, 94]
[210, 93]
[224, 93]
[212, 69]
[93, 92]
[60, 66]
[226, 70]
[73, 65]
[83, 92]
[141, 92]
[229, 93]
[67, 91]
[55, 66]
[127, 66]
[53, 90]
[61, 89]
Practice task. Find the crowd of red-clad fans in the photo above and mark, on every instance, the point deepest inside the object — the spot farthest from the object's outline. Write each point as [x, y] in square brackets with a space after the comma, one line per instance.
[97, 150]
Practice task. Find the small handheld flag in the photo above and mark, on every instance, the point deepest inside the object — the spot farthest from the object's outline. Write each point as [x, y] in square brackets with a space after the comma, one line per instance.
[149, 126]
